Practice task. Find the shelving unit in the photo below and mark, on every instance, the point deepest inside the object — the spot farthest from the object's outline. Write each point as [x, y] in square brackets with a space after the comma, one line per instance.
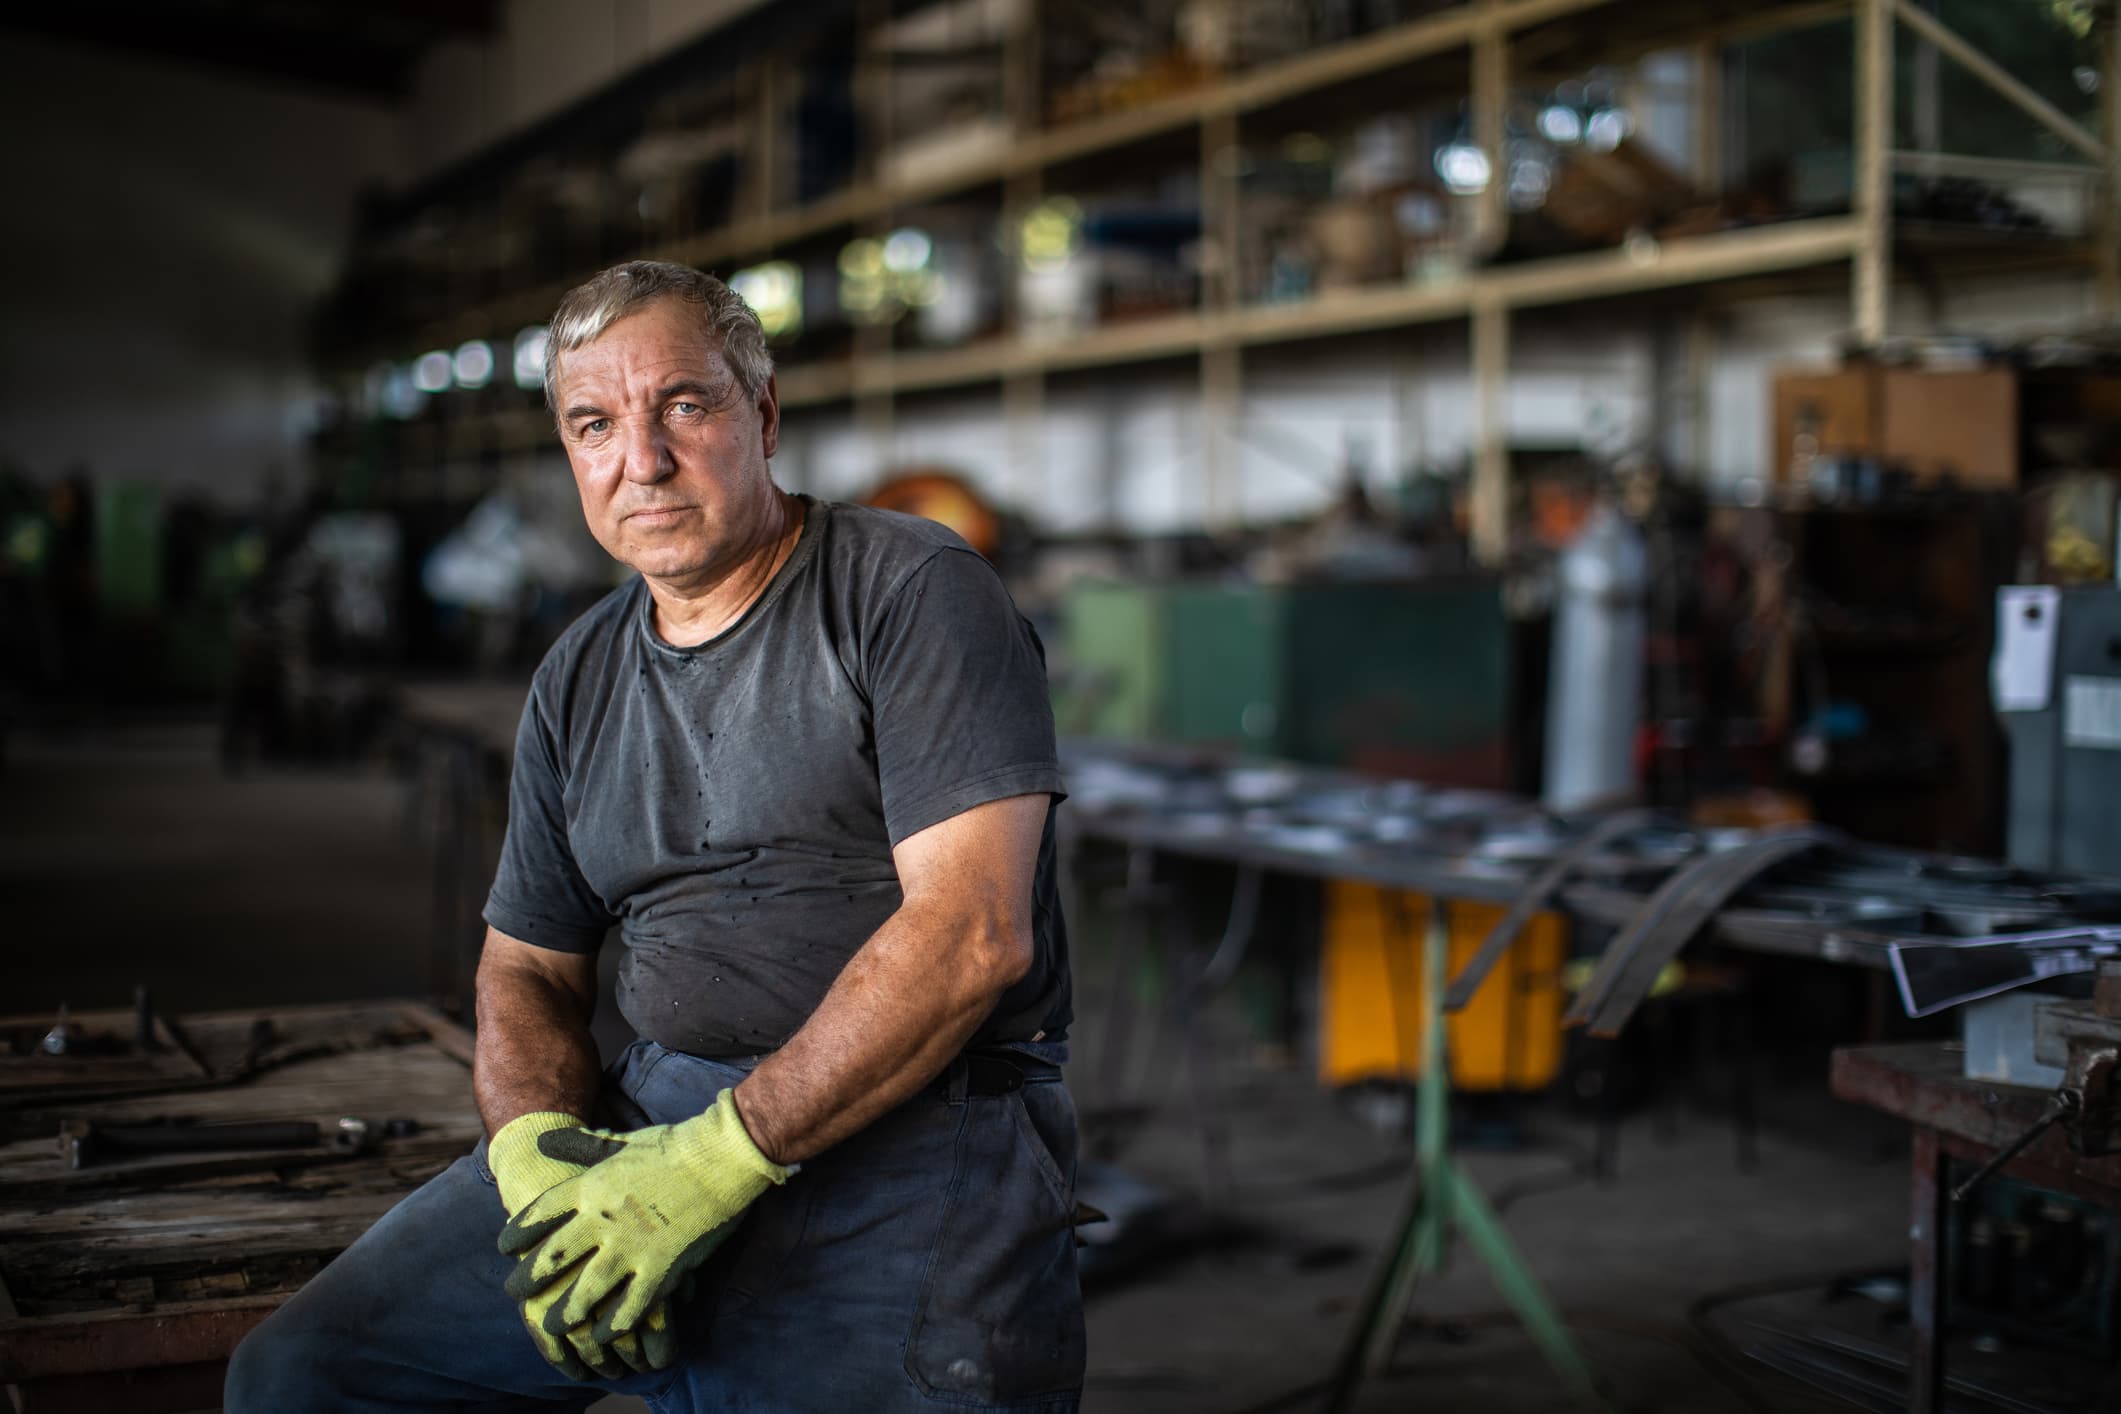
[1482, 48]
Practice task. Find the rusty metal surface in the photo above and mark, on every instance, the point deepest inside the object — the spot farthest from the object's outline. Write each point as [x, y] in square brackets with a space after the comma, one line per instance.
[38, 1348]
[1920, 1083]
[170, 1388]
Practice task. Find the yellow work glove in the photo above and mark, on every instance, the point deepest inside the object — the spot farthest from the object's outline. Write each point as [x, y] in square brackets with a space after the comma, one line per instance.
[521, 1172]
[648, 1208]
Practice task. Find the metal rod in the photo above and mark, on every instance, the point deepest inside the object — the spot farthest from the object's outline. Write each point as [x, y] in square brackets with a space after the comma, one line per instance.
[2062, 1106]
[1926, 1285]
[2003, 167]
[1998, 78]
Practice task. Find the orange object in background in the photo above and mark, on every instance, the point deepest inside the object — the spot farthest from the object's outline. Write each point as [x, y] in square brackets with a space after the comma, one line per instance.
[1507, 1038]
[1756, 809]
[945, 499]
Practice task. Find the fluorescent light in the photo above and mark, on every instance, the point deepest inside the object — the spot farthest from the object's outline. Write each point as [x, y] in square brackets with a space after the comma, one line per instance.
[473, 364]
[431, 371]
[530, 357]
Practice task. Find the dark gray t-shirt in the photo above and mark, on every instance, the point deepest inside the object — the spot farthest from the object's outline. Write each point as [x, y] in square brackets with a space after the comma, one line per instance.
[733, 806]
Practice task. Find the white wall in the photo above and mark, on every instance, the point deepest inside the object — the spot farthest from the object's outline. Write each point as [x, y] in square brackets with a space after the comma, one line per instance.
[1126, 451]
[169, 231]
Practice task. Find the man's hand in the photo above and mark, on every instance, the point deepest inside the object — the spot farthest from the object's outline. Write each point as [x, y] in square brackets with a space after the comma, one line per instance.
[521, 1172]
[614, 1241]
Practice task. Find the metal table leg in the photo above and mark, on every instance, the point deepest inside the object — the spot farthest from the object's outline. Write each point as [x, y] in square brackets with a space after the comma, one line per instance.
[1926, 1274]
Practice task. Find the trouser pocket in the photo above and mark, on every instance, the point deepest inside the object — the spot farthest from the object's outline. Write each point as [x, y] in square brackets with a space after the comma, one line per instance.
[1000, 1316]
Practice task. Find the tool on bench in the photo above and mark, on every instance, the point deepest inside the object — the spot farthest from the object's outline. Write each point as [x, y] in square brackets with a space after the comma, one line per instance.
[85, 1143]
[1935, 976]
[2084, 1038]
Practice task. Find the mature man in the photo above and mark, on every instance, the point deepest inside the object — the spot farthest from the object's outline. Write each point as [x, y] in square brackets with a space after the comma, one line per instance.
[805, 762]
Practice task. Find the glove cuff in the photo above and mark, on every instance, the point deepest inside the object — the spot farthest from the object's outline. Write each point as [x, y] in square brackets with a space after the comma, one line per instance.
[720, 1133]
[520, 1135]
[520, 1170]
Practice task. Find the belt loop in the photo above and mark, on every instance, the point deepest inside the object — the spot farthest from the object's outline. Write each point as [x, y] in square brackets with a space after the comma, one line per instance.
[955, 1081]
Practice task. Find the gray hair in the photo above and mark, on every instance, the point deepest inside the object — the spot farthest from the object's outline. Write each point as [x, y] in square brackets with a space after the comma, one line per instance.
[593, 306]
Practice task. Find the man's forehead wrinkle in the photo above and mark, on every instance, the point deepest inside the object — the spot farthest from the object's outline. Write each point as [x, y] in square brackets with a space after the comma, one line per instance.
[617, 379]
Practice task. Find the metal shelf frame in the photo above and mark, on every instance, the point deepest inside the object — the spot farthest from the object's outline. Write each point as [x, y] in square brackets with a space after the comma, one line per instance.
[1486, 34]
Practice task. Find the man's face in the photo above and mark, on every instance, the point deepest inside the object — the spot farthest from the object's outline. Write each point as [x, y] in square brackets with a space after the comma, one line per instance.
[668, 453]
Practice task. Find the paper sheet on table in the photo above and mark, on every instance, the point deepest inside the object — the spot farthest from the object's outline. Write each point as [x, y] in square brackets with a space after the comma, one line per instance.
[2022, 672]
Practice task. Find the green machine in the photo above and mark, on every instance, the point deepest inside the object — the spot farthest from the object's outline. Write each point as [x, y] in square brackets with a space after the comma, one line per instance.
[1407, 678]
[129, 548]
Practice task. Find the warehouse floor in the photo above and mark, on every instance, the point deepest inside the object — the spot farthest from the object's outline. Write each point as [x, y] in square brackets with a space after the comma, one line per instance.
[127, 857]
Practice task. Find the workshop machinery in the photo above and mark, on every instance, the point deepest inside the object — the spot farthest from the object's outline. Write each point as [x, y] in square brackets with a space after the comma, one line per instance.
[2056, 683]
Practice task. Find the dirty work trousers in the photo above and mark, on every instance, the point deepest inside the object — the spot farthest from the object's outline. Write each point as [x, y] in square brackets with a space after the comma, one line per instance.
[927, 1263]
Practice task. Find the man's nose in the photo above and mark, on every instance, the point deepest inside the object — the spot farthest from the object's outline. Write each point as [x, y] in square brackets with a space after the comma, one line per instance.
[648, 456]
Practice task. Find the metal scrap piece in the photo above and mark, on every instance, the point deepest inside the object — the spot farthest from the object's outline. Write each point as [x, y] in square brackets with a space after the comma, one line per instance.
[1536, 896]
[1671, 917]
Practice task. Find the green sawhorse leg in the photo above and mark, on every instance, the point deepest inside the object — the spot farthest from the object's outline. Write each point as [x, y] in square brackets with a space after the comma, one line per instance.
[1446, 1197]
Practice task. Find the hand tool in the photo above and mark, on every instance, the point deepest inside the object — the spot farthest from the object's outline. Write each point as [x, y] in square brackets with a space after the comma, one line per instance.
[84, 1142]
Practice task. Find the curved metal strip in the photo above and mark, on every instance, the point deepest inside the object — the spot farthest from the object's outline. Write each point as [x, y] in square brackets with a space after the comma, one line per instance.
[1536, 896]
[1670, 918]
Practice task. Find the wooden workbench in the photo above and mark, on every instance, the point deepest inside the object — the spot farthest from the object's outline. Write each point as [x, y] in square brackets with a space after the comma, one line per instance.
[1969, 1120]
[124, 1286]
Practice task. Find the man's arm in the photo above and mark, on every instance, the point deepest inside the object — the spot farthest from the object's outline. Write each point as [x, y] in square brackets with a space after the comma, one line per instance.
[907, 1002]
[534, 1047]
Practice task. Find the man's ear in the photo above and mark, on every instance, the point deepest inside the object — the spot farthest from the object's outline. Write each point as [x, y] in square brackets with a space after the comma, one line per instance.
[769, 405]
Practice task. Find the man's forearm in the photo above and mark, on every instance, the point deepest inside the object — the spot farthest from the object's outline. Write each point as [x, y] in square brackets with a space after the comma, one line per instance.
[903, 1007]
[535, 1051]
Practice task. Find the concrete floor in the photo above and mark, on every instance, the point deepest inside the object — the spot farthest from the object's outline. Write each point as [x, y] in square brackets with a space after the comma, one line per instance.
[128, 857]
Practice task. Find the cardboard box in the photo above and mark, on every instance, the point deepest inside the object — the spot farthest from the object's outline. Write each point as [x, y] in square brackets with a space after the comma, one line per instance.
[1954, 424]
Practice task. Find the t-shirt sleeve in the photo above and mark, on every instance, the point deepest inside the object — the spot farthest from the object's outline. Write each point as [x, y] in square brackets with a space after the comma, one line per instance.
[539, 895]
[958, 697]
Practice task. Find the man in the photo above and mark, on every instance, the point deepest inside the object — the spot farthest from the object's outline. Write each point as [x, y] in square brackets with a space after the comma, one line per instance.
[805, 762]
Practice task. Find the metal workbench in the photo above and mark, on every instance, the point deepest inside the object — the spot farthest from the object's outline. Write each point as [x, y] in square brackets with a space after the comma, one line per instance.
[1954, 1117]
[1848, 907]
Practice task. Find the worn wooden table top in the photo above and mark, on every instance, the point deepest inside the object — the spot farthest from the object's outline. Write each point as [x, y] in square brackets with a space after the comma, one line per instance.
[168, 1259]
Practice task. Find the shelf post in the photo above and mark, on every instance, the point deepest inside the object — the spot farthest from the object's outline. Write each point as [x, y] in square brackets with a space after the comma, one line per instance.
[1023, 385]
[1491, 447]
[2109, 226]
[1491, 96]
[764, 174]
[1221, 363]
[1873, 194]
[1708, 117]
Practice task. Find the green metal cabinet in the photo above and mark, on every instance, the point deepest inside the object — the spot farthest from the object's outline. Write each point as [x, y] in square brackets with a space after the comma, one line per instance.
[1411, 679]
[1111, 683]
[1404, 679]
[1223, 650]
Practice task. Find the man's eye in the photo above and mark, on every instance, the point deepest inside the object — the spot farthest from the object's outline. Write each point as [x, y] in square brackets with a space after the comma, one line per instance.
[685, 409]
[596, 426]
